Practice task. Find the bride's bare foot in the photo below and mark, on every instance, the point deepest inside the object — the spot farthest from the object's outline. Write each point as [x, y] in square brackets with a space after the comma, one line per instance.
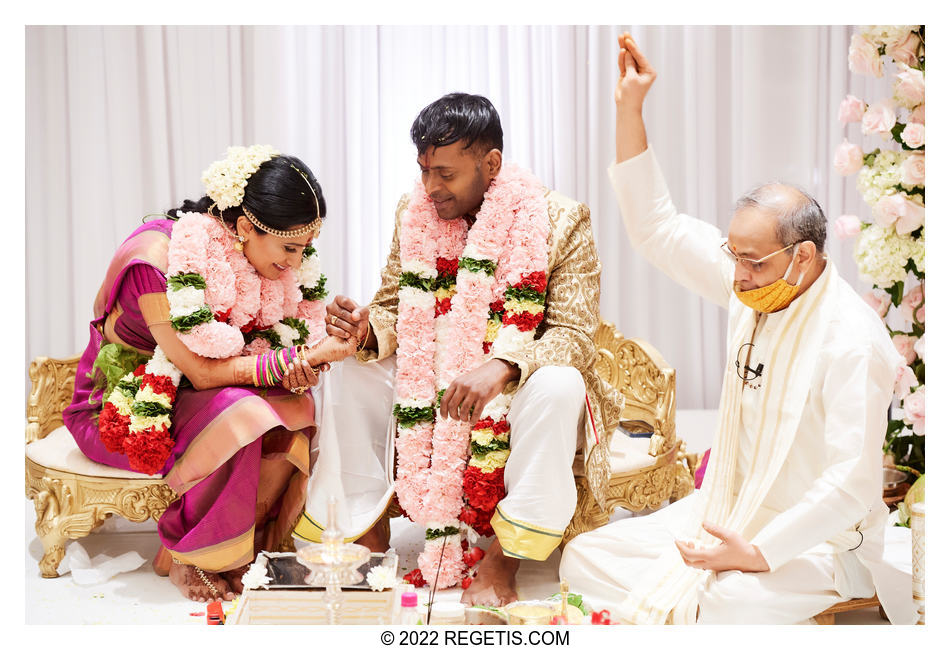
[376, 539]
[188, 580]
[233, 578]
[494, 584]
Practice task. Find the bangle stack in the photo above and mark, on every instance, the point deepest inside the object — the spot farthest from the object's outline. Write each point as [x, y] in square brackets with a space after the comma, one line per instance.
[271, 366]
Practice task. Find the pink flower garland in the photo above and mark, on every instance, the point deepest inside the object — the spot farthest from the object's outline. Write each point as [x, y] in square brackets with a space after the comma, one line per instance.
[436, 346]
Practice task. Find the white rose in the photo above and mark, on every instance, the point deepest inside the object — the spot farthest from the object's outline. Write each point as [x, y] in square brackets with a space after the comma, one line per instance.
[912, 171]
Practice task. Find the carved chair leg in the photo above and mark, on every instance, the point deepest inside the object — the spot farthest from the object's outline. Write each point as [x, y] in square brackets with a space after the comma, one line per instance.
[54, 548]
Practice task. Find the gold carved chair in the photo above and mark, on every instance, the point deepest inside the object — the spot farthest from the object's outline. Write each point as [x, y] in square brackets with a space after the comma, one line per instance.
[74, 495]
[649, 467]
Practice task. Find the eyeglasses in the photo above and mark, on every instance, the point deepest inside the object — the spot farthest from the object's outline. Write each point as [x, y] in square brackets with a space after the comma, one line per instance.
[746, 373]
[750, 264]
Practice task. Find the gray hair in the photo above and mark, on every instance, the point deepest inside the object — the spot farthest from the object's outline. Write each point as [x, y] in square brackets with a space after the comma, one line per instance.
[800, 218]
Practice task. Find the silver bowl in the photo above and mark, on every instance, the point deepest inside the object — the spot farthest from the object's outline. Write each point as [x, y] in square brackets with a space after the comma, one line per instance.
[893, 478]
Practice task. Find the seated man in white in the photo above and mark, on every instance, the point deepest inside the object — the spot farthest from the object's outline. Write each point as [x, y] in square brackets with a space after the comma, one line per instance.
[789, 520]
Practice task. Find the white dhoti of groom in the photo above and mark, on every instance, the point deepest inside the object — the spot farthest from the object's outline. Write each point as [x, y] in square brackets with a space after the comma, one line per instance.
[795, 466]
[354, 404]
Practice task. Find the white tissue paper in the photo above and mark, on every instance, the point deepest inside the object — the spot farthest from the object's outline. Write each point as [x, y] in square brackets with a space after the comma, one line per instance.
[100, 568]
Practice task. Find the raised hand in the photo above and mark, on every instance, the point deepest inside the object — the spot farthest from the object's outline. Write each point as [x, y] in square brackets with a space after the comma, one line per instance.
[636, 75]
[734, 553]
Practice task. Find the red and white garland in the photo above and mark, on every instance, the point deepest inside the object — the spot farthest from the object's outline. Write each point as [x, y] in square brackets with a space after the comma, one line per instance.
[221, 308]
[464, 297]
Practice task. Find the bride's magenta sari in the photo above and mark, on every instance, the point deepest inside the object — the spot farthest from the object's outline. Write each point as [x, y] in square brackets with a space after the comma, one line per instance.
[221, 434]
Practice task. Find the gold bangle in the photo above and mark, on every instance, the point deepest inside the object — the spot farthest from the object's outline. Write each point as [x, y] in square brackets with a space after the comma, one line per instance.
[365, 339]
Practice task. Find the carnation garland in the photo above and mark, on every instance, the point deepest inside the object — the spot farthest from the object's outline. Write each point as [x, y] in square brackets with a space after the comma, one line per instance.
[220, 307]
[464, 296]
[890, 250]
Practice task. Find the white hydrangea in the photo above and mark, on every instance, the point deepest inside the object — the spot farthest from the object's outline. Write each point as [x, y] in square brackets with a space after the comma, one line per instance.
[225, 180]
[185, 300]
[255, 577]
[882, 254]
[160, 365]
[308, 275]
[886, 34]
[381, 577]
[286, 333]
[882, 177]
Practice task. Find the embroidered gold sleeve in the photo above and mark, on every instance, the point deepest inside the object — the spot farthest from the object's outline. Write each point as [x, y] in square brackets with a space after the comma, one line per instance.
[572, 310]
[384, 307]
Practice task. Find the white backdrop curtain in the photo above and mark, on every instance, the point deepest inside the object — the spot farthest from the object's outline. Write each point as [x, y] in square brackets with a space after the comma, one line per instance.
[121, 121]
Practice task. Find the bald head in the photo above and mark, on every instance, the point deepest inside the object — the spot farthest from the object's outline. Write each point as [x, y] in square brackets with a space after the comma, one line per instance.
[797, 216]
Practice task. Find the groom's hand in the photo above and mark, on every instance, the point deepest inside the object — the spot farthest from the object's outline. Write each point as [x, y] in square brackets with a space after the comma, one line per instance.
[734, 553]
[346, 319]
[466, 397]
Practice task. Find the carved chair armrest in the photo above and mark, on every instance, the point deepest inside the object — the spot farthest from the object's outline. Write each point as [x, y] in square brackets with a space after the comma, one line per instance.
[646, 380]
[52, 392]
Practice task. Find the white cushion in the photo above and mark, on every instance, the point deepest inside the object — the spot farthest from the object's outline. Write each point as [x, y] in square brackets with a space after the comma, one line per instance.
[628, 454]
[59, 451]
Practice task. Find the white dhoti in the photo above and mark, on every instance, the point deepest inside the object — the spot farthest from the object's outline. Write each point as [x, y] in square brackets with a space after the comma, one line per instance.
[605, 564]
[354, 404]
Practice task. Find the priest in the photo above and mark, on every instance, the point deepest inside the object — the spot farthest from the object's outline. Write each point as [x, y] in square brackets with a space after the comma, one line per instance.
[789, 519]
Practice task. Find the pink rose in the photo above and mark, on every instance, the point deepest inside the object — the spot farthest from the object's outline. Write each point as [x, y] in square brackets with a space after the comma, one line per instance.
[905, 347]
[905, 50]
[850, 110]
[920, 314]
[919, 347]
[909, 88]
[910, 303]
[847, 226]
[914, 410]
[906, 379]
[912, 171]
[863, 57]
[879, 118]
[848, 158]
[879, 301]
[913, 135]
[896, 209]
[917, 116]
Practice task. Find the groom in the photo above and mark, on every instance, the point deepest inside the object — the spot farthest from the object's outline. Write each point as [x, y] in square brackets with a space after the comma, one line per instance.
[480, 341]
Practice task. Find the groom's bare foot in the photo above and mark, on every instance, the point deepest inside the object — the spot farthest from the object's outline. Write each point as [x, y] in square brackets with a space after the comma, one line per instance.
[494, 584]
[376, 539]
[191, 586]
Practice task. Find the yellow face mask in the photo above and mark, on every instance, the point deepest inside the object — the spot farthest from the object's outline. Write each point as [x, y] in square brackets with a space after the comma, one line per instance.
[772, 297]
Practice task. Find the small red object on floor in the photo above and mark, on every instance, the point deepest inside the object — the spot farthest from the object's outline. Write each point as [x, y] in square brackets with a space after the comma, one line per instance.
[215, 614]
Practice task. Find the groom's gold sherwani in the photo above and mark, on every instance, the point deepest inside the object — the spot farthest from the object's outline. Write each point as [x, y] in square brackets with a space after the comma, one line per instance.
[565, 336]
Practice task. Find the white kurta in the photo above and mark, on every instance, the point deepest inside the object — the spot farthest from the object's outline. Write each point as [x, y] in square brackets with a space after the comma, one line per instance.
[831, 480]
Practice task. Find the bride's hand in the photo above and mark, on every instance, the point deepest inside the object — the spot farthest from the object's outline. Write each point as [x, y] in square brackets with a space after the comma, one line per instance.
[332, 348]
[301, 375]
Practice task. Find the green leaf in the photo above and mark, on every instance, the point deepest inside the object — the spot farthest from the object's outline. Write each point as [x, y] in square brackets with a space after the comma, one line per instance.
[477, 266]
[416, 281]
[113, 362]
[150, 409]
[435, 533]
[309, 250]
[300, 326]
[195, 318]
[318, 292]
[408, 416]
[268, 335]
[524, 293]
[896, 292]
[494, 445]
[182, 280]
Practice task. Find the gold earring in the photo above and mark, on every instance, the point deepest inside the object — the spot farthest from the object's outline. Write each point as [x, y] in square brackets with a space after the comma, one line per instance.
[239, 244]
